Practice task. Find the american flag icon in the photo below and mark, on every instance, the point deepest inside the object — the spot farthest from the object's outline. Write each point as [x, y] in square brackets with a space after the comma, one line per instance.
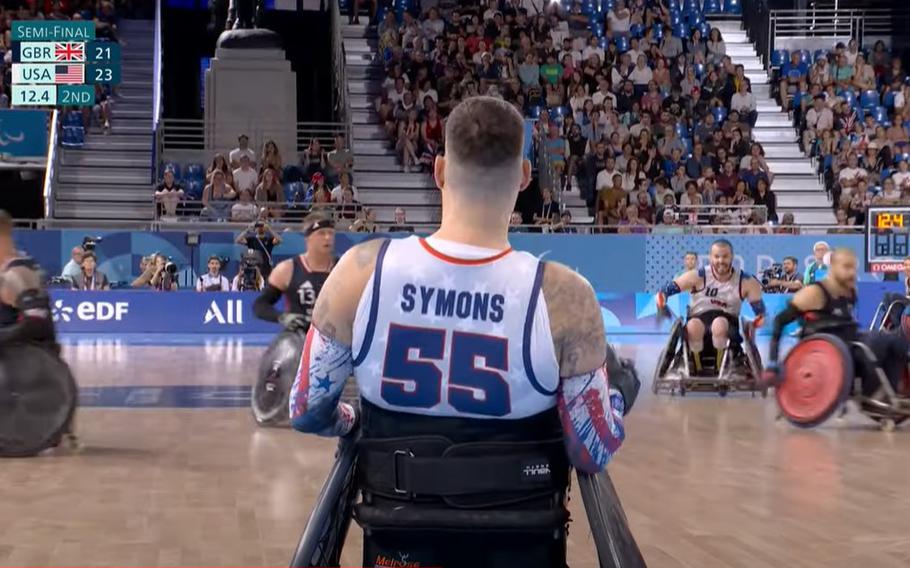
[69, 74]
[69, 51]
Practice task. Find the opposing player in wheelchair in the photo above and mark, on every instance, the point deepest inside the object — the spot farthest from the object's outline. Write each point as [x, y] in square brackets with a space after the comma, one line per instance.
[732, 363]
[834, 362]
[893, 312]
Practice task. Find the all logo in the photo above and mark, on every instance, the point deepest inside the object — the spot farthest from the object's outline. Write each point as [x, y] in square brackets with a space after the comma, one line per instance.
[232, 314]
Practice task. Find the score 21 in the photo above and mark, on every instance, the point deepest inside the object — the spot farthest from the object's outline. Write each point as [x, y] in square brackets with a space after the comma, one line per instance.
[102, 52]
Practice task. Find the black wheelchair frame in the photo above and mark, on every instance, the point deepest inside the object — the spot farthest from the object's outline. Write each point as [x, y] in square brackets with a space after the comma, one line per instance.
[672, 373]
[888, 412]
[324, 535]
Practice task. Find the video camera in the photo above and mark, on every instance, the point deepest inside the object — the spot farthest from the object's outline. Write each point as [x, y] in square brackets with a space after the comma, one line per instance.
[89, 243]
[250, 262]
[773, 272]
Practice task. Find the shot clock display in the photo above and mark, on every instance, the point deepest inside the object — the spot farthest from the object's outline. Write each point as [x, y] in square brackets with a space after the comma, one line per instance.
[887, 238]
[57, 63]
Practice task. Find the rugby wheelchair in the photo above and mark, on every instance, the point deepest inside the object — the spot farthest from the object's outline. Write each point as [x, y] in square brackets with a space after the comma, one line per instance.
[889, 315]
[38, 397]
[277, 370]
[739, 369]
[326, 530]
[822, 372]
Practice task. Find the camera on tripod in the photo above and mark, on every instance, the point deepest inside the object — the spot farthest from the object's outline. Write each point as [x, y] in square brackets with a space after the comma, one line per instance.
[773, 272]
[89, 243]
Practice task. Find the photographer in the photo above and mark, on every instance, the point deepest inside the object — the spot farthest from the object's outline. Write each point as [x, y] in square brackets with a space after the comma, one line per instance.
[260, 238]
[213, 280]
[89, 278]
[782, 278]
[250, 276]
[146, 271]
[165, 274]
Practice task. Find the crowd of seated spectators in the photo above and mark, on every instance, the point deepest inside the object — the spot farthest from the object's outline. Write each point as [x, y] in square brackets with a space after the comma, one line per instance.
[851, 108]
[244, 186]
[637, 105]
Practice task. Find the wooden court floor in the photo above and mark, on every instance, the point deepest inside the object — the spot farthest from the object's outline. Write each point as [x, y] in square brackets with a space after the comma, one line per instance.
[706, 482]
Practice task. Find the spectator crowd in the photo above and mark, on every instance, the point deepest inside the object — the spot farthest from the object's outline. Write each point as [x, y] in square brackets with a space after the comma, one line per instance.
[850, 105]
[637, 105]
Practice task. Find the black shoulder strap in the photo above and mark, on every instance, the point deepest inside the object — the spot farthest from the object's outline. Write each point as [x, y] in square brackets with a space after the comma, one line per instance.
[23, 262]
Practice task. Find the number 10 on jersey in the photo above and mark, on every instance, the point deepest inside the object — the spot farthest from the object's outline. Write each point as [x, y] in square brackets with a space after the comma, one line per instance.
[413, 374]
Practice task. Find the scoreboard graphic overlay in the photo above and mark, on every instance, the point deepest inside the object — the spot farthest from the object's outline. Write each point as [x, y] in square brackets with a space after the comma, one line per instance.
[887, 238]
[59, 63]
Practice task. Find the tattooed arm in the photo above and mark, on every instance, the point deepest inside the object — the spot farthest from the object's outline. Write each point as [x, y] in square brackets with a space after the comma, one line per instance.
[591, 411]
[327, 361]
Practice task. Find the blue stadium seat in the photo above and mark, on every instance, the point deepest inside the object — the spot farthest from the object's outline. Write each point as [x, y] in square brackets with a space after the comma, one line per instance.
[688, 143]
[658, 31]
[73, 137]
[603, 42]
[637, 30]
[290, 189]
[691, 6]
[695, 19]
[681, 30]
[880, 114]
[720, 114]
[849, 97]
[607, 5]
[712, 7]
[819, 53]
[193, 172]
[590, 7]
[869, 99]
[888, 100]
[674, 6]
[699, 70]
[72, 118]
[675, 20]
[622, 44]
[682, 131]
[194, 190]
[534, 111]
[886, 173]
[779, 57]
[733, 7]
[705, 29]
[292, 174]
[805, 56]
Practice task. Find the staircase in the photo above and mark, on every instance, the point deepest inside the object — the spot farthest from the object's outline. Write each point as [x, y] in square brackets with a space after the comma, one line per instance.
[381, 182]
[109, 178]
[796, 182]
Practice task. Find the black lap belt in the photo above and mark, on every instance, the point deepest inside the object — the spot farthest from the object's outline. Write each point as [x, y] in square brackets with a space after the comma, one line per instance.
[433, 466]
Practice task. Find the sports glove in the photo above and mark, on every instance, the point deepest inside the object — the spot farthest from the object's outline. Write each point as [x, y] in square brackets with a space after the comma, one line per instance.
[292, 322]
[623, 377]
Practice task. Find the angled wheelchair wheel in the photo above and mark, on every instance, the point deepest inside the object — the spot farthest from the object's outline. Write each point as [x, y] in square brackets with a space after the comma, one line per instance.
[667, 356]
[323, 538]
[277, 369]
[616, 547]
[817, 376]
[38, 397]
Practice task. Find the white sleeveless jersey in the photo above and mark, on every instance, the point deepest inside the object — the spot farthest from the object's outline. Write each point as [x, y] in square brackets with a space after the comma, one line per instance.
[464, 335]
[714, 295]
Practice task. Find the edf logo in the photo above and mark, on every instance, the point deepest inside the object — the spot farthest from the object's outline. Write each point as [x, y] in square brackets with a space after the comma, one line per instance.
[233, 315]
[90, 311]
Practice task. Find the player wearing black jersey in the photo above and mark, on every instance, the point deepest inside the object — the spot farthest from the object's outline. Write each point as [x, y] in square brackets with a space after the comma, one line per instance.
[300, 278]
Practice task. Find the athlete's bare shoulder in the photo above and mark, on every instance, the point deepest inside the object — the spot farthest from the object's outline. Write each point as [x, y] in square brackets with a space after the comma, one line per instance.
[280, 276]
[337, 303]
[689, 279]
[575, 320]
[15, 280]
[808, 298]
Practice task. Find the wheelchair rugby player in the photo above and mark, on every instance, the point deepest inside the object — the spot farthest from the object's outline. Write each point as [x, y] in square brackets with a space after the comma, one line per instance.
[833, 360]
[37, 391]
[481, 371]
[713, 314]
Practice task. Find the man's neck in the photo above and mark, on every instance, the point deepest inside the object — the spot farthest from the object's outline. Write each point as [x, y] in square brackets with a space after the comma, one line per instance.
[483, 232]
[318, 259]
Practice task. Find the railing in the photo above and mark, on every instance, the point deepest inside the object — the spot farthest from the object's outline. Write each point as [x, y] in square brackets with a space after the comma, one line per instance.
[704, 214]
[189, 134]
[156, 93]
[53, 163]
[341, 103]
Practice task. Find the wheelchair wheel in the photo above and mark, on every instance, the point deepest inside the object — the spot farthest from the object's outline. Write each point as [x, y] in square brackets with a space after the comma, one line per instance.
[277, 369]
[38, 397]
[817, 377]
[323, 538]
[667, 356]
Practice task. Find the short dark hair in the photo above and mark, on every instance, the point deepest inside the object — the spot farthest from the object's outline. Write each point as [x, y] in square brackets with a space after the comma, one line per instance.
[723, 243]
[690, 253]
[484, 132]
[792, 258]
